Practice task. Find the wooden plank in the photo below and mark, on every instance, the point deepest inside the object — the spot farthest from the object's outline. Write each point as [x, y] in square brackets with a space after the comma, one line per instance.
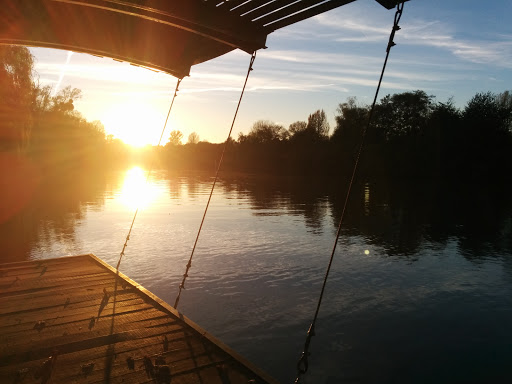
[266, 9]
[17, 304]
[92, 326]
[280, 19]
[15, 325]
[251, 6]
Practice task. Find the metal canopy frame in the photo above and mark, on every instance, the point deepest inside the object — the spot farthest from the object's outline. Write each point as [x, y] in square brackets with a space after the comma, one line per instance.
[166, 35]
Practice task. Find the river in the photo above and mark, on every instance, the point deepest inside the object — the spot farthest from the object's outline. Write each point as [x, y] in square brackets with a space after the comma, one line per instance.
[420, 290]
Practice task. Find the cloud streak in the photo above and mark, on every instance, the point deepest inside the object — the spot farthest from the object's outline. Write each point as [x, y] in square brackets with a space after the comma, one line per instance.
[356, 26]
[62, 72]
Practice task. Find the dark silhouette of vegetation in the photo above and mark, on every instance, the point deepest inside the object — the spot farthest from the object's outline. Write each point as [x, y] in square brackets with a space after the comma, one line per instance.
[42, 125]
[42, 138]
[412, 137]
[193, 138]
[175, 138]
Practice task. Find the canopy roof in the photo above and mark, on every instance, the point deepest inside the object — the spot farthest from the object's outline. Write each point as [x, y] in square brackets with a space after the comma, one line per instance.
[167, 35]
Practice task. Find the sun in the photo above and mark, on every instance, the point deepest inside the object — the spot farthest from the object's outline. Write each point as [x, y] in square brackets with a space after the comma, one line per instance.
[135, 122]
[137, 192]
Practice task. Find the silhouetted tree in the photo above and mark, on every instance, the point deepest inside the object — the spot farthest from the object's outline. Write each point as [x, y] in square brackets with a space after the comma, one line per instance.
[297, 127]
[317, 129]
[175, 138]
[318, 124]
[504, 100]
[63, 100]
[402, 114]
[351, 119]
[264, 131]
[487, 138]
[488, 111]
[445, 135]
[193, 138]
[58, 130]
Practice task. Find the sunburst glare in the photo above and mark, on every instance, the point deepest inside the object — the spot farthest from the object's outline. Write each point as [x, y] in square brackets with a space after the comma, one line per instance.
[136, 193]
[137, 122]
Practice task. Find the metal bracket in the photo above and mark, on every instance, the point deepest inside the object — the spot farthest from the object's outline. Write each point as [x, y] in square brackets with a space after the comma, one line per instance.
[390, 4]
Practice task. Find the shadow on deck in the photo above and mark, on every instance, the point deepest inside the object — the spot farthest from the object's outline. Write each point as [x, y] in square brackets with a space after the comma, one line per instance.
[69, 320]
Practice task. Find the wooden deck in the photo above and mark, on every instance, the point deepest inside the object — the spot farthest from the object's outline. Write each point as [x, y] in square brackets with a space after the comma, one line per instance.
[65, 321]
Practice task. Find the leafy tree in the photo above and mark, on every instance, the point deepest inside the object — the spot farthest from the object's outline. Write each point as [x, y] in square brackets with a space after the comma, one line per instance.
[318, 124]
[98, 127]
[316, 129]
[59, 130]
[175, 138]
[297, 127]
[489, 111]
[42, 98]
[487, 137]
[63, 100]
[193, 138]
[242, 138]
[17, 64]
[351, 119]
[16, 95]
[444, 138]
[403, 114]
[504, 100]
[264, 131]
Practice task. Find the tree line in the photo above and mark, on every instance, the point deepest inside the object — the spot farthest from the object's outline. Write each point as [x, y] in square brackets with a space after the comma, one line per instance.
[410, 135]
[43, 124]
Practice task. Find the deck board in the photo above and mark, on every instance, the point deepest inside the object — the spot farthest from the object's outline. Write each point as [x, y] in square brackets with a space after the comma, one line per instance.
[73, 309]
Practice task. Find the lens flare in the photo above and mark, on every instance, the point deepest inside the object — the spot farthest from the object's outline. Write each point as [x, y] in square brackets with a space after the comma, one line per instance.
[136, 193]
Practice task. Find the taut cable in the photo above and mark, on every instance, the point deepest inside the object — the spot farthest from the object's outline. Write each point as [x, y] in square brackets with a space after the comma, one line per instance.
[147, 177]
[189, 264]
[303, 364]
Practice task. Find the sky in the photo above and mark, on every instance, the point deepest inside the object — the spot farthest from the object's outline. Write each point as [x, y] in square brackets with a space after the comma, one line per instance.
[449, 49]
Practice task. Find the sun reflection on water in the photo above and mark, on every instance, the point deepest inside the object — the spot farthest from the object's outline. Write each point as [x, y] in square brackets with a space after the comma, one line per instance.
[136, 193]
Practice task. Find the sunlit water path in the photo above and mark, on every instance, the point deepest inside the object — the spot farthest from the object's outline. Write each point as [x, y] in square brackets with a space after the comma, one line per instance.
[404, 302]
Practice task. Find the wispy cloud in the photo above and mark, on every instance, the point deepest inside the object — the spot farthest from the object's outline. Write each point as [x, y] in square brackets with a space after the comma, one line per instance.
[435, 34]
[367, 26]
[354, 26]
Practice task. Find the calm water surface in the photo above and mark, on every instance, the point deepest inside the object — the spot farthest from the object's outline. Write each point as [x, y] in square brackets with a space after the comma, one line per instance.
[420, 291]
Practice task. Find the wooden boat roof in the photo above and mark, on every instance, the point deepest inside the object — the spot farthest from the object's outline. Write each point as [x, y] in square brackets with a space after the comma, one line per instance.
[166, 35]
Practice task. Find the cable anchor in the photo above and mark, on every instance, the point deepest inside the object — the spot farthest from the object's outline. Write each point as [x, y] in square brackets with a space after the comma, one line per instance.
[396, 27]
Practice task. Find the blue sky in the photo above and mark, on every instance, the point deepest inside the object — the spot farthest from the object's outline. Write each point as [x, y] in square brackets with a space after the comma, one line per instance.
[449, 49]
